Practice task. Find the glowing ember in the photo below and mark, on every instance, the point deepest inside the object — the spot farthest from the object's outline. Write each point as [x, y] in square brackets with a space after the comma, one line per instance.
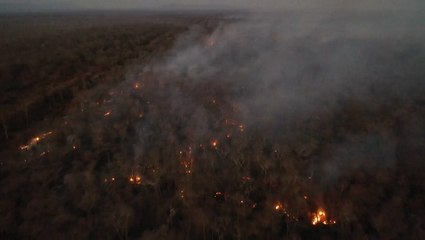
[137, 85]
[34, 141]
[135, 179]
[186, 160]
[279, 207]
[320, 217]
[112, 179]
[214, 143]
[246, 178]
[218, 194]
[107, 113]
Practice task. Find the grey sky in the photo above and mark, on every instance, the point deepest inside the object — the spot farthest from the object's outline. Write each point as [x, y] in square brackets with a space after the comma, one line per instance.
[253, 4]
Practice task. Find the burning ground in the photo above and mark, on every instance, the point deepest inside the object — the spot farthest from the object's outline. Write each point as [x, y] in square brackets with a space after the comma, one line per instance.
[299, 127]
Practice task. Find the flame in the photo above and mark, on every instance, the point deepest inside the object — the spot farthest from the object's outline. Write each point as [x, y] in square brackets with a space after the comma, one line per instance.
[135, 179]
[34, 141]
[214, 143]
[320, 217]
[107, 113]
[218, 194]
[278, 206]
[137, 85]
[112, 179]
[186, 160]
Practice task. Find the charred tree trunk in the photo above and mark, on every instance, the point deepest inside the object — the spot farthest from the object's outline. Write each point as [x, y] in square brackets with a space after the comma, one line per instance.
[5, 129]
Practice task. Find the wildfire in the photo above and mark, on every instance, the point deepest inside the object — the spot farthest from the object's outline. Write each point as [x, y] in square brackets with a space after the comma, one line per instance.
[278, 206]
[186, 160]
[320, 217]
[34, 141]
[219, 196]
[112, 179]
[214, 143]
[107, 113]
[235, 123]
[135, 179]
[137, 85]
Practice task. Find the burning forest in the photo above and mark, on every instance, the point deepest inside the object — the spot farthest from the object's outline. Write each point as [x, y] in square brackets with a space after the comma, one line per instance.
[255, 128]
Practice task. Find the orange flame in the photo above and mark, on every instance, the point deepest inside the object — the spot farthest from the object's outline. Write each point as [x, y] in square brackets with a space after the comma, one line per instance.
[135, 179]
[34, 141]
[320, 217]
[214, 143]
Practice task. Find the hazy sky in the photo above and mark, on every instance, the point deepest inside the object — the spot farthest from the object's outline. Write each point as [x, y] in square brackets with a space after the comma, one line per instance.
[253, 4]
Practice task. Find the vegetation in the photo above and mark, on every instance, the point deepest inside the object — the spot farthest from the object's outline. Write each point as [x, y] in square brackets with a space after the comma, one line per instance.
[154, 157]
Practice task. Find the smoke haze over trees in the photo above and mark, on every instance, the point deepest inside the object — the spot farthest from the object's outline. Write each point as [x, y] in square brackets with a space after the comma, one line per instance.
[293, 125]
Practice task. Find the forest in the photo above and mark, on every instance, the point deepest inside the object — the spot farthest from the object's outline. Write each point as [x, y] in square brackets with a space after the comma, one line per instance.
[140, 125]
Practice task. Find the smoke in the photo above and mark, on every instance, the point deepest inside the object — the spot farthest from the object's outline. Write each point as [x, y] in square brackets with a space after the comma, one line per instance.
[279, 71]
[259, 122]
[300, 63]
